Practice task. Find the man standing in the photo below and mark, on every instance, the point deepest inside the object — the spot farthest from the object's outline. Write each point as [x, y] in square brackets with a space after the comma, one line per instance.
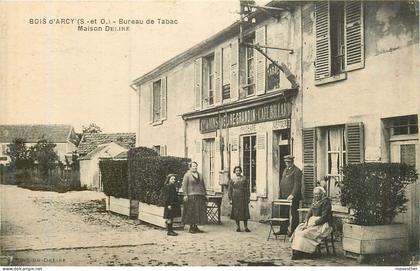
[290, 186]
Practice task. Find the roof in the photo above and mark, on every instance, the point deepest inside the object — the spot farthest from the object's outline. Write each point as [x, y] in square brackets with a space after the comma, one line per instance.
[221, 36]
[55, 133]
[123, 155]
[89, 142]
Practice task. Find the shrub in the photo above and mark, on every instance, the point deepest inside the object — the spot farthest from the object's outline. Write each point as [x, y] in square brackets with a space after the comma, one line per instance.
[376, 191]
[140, 152]
[147, 176]
[114, 178]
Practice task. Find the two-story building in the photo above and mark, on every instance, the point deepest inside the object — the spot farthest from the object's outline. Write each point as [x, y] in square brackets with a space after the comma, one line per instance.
[348, 92]
[223, 103]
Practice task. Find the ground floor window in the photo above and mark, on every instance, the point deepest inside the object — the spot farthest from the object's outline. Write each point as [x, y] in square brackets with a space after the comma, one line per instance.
[249, 160]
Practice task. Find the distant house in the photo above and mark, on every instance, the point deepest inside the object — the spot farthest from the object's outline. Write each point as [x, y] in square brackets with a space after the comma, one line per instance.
[62, 135]
[89, 164]
[90, 142]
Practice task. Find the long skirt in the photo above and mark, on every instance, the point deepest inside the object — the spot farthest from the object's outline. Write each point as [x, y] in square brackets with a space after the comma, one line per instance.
[195, 210]
[306, 240]
[240, 207]
[174, 212]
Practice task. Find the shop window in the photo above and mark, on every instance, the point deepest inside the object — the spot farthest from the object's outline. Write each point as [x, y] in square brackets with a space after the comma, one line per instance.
[249, 160]
[407, 125]
[208, 80]
[226, 70]
[339, 39]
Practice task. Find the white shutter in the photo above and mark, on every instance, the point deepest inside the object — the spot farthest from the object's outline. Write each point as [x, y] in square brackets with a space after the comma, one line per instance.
[354, 39]
[322, 40]
[262, 164]
[234, 73]
[163, 98]
[218, 76]
[198, 73]
[217, 164]
[163, 150]
[260, 61]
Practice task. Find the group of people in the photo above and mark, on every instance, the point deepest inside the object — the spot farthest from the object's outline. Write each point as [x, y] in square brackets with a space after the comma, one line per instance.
[305, 236]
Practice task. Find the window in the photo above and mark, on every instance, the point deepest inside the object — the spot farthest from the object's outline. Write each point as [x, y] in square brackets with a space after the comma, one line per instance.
[156, 148]
[273, 77]
[208, 80]
[250, 65]
[249, 160]
[336, 158]
[226, 66]
[158, 103]
[406, 125]
[339, 39]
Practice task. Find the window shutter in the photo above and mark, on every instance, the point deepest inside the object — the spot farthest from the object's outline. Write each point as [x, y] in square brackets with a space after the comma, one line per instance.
[322, 40]
[217, 164]
[309, 163]
[260, 61]
[354, 39]
[355, 143]
[234, 79]
[150, 87]
[163, 98]
[242, 71]
[262, 164]
[198, 67]
[218, 76]
[162, 150]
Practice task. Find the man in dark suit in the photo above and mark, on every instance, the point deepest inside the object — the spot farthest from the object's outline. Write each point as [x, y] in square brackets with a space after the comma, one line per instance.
[290, 189]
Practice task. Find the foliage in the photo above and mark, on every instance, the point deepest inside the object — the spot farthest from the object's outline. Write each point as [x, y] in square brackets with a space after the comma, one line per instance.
[114, 178]
[140, 152]
[376, 191]
[92, 128]
[19, 154]
[147, 176]
[45, 157]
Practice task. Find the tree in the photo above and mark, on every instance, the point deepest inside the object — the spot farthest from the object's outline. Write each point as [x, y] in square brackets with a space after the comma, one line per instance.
[44, 155]
[19, 154]
[92, 129]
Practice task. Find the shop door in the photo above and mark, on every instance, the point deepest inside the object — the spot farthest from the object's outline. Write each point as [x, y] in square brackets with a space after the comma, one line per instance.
[208, 162]
[405, 152]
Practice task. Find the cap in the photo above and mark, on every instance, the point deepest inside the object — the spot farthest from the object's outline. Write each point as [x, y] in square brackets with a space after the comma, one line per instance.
[289, 158]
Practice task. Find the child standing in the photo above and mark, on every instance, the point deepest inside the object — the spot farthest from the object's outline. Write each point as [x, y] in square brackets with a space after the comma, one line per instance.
[172, 204]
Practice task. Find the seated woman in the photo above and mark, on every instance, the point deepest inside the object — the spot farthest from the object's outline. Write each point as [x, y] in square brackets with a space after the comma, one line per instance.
[309, 234]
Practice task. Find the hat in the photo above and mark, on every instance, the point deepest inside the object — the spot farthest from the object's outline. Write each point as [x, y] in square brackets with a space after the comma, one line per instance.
[289, 158]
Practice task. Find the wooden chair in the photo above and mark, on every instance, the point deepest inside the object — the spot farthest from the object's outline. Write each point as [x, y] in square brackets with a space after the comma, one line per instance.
[277, 221]
[326, 243]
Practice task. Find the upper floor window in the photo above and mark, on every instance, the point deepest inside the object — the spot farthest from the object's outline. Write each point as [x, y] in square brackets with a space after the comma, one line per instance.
[226, 70]
[158, 101]
[250, 65]
[208, 80]
[339, 38]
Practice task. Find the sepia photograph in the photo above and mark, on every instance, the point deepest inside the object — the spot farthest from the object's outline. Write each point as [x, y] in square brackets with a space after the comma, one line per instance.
[209, 133]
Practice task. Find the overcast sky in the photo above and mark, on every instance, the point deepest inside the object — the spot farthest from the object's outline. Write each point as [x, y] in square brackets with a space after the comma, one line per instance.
[53, 73]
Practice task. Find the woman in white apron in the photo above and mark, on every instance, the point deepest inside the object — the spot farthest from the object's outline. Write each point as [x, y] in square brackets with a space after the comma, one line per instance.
[309, 234]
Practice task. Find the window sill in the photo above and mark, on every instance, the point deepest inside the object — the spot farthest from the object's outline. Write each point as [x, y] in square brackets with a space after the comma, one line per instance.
[332, 79]
[156, 123]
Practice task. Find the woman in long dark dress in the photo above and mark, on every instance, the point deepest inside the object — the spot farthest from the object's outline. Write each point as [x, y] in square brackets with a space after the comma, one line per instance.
[195, 202]
[239, 198]
[172, 205]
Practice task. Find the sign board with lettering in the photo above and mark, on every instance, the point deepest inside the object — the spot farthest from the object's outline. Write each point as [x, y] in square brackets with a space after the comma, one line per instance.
[262, 113]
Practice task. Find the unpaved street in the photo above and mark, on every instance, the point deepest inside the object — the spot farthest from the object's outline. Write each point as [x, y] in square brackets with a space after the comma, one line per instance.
[48, 228]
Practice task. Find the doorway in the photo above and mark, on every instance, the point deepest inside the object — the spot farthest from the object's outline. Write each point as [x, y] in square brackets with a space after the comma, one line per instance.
[283, 150]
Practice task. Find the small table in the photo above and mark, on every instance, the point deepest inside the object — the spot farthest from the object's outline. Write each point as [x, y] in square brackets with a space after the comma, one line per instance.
[214, 203]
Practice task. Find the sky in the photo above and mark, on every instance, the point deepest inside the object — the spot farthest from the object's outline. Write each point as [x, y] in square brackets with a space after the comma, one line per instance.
[51, 73]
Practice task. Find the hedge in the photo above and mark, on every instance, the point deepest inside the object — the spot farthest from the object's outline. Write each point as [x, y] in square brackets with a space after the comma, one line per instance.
[147, 176]
[114, 178]
[140, 152]
[376, 191]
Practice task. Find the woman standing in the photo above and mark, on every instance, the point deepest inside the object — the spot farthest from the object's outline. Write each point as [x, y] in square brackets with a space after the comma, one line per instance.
[239, 198]
[172, 204]
[308, 235]
[195, 202]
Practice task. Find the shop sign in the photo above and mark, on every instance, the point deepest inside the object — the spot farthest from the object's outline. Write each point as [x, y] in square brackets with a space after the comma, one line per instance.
[281, 124]
[267, 112]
